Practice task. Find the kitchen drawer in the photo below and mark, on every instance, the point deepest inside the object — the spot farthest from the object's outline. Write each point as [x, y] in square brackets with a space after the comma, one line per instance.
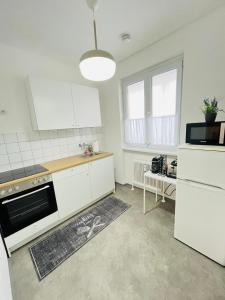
[70, 172]
[202, 166]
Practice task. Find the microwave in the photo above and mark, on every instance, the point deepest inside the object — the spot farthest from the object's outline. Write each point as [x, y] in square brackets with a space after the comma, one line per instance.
[206, 134]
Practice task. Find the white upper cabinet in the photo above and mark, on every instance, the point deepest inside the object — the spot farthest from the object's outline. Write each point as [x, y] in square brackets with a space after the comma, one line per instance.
[60, 105]
[86, 106]
[51, 104]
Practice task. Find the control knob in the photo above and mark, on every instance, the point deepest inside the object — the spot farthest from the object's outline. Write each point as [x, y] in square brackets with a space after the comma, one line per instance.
[2, 193]
[17, 187]
[35, 181]
[10, 190]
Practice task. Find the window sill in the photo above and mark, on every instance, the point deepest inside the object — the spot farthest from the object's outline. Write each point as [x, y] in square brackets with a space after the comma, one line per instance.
[153, 151]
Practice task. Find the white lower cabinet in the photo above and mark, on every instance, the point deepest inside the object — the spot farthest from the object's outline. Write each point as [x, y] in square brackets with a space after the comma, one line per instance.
[76, 187]
[5, 285]
[72, 189]
[101, 177]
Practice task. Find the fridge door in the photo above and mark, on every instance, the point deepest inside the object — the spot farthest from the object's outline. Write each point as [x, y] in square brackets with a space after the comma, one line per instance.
[200, 218]
[203, 166]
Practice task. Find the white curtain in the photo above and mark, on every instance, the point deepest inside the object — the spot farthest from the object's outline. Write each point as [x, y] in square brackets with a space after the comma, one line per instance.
[162, 130]
[134, 131]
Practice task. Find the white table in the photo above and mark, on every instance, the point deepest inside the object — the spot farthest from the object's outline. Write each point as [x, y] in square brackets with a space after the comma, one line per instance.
[157, 177]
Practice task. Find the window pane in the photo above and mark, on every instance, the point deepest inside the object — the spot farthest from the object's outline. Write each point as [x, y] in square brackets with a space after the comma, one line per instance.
[164, 94]
[135, 101]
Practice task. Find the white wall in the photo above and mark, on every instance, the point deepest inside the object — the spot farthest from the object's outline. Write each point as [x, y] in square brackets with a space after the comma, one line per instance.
[203, 46]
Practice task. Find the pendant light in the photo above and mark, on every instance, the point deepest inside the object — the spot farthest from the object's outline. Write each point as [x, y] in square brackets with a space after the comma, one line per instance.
[96, 65]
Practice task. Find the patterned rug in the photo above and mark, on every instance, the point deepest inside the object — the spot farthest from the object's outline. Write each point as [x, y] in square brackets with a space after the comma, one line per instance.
[50, 252]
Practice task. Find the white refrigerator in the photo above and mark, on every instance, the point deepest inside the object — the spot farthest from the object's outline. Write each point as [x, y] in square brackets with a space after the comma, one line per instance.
[200, 200]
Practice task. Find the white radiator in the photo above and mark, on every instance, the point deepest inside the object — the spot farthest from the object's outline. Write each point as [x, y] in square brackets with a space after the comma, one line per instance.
[139, 168]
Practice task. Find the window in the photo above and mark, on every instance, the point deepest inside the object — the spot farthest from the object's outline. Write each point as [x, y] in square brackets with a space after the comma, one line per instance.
[151, 106]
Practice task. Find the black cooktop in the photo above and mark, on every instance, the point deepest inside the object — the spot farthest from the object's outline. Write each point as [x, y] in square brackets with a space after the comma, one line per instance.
[20, 173]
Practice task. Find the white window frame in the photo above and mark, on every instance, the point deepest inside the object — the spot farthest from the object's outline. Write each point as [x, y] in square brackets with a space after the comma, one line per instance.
[146, 76]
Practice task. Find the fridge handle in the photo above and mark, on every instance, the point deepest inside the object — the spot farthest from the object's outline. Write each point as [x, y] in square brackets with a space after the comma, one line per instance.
[201, 185]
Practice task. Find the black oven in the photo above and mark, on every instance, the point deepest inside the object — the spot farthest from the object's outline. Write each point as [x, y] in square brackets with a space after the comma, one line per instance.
[19, 209]
[206, 134]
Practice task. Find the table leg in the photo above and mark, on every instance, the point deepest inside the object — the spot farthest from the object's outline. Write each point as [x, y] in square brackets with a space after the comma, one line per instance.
[144, 197]
[163, 199]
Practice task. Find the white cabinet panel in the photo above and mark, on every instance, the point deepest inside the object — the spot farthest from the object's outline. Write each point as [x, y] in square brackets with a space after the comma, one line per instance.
[51, 104]
[202, 166]
[102, 177]
[5, 285]
[72, 189]
[199, 218]
[86, 106]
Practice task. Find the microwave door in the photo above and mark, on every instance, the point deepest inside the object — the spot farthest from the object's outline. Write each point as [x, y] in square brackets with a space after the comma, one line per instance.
[204, 134]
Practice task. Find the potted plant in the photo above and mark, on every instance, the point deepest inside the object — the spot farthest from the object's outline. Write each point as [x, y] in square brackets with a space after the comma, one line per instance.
[210, 109]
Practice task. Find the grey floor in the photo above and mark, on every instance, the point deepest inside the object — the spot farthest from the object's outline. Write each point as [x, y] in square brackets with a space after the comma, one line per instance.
[135, 257]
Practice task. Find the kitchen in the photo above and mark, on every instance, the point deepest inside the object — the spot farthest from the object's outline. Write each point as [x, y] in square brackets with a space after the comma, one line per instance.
[71, 149]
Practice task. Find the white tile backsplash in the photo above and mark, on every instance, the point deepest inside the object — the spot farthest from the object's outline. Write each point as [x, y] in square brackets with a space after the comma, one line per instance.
[10, 138]
[24, 146]
[2, 141]
[23, 136]
[15, 158]
[17, 165]
[12, 148]
[27, 155]
[3, 149]
[4, 159]
[35, 145]
[5, 167]
[21, 149]
[27, 163]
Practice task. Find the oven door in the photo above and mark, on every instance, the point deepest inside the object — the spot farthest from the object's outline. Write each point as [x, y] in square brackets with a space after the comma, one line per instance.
[25, 208]
[204, 134]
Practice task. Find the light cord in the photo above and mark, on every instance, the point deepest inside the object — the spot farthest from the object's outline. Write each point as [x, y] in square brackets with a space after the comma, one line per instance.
[95, 32]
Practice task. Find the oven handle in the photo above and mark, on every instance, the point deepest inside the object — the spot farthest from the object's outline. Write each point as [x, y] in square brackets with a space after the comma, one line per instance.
[22, 196]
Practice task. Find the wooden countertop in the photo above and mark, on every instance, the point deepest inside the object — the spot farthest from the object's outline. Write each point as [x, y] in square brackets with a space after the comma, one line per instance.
[58, 165]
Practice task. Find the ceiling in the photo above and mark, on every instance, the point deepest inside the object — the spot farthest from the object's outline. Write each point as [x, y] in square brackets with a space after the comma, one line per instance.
[63, 29]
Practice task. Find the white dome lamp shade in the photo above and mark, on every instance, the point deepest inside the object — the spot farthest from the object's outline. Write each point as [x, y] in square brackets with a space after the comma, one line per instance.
[97, 65]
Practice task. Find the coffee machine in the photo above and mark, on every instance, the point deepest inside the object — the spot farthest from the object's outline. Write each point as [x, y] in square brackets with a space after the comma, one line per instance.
[172, 169]
[159, 165]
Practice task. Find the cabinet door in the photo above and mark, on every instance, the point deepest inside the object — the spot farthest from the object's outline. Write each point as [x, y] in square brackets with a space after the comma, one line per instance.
[86, 106]
[5, 285]
[102, 177]
[72, 189]
[52, 104]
